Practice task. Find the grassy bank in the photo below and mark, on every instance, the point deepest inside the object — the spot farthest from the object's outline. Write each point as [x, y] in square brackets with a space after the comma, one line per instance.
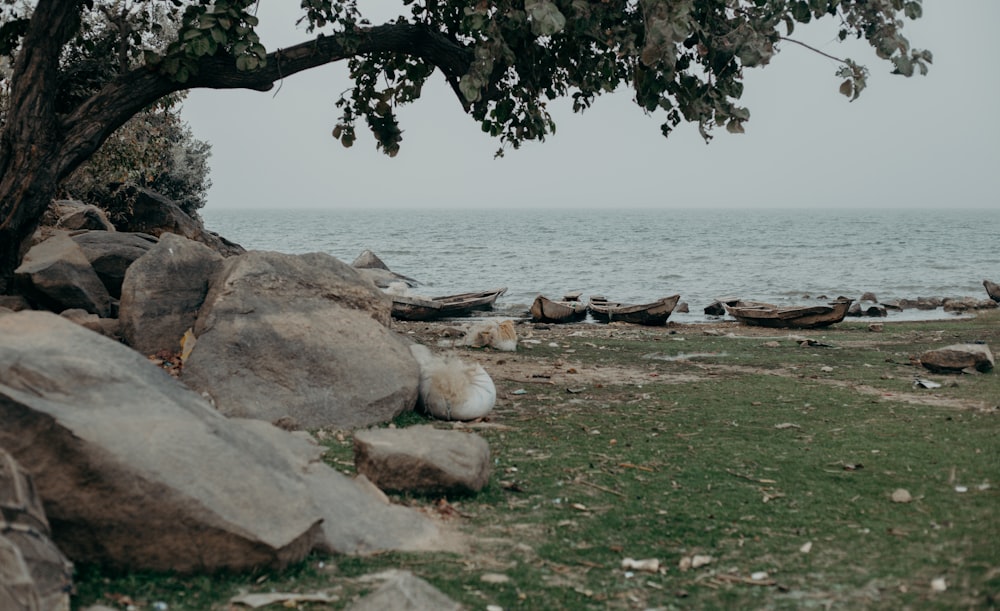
[768, 461]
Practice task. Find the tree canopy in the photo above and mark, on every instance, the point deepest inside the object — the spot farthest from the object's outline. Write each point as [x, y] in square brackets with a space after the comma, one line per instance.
[683, 60]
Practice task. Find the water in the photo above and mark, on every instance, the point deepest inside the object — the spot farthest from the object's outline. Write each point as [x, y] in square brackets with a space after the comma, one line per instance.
[635, 256]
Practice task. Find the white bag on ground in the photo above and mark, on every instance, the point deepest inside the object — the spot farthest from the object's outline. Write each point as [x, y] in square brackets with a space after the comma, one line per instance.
[451, 389]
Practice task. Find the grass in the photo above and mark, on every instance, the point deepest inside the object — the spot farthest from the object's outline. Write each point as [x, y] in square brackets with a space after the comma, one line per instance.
[777, 461]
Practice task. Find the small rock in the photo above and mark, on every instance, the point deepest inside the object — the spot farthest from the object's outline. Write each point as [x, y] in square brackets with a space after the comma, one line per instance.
[955, 358]
[406, 591]
[648, 565]
[422, 459]
[901, 495]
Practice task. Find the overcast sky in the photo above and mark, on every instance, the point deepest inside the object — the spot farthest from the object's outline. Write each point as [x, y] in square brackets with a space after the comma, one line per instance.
[927, 142]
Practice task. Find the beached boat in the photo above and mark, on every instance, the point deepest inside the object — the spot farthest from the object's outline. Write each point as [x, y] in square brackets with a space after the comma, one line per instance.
[795, 317]
[654, 313]
[992, 289]
[569, 309]
[408, 307]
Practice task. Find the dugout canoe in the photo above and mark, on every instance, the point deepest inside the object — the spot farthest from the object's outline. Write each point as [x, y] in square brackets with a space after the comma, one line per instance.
[569, 309]
[791, 317]
[407, 307]
[654, 313]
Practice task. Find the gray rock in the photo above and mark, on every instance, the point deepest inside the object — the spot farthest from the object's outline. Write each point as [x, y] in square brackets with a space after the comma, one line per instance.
[965, 304]
[869, 296]
[404, 591]
[17, 588]
[423, 460]
[72, 215]
[111, 253]
[91, 321]
[302, 338]
[957, 357]
[14, 303]
[58, 275]
[23, 524]
[992, 289]
[163, 291]
[717, 307]
[155, 214]
[867, 308]
[357, 517]
[136, 471]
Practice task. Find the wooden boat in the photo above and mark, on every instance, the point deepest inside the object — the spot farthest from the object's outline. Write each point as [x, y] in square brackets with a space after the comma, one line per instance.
[992, 289]
[569, 309]
[405, 307]
[655, 313]
[797, 317]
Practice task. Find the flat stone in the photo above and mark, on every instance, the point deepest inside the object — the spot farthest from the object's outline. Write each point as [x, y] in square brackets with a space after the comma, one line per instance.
[58, 275]
[423, 460]
[955, 358]
[406, 592]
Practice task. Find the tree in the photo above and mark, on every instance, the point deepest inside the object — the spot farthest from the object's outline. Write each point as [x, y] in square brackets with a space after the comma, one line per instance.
[683, 59]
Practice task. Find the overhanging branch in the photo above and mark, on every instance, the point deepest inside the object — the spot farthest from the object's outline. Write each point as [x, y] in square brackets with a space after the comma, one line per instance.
[95, 120]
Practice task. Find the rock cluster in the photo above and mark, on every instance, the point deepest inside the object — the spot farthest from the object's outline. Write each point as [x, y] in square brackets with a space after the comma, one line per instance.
[182, 468]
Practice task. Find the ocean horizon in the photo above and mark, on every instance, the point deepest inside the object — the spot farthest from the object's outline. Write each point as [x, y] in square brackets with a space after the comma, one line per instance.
[634, 255]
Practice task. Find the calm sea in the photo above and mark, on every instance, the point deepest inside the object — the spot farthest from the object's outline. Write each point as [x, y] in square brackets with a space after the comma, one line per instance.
[635, 256]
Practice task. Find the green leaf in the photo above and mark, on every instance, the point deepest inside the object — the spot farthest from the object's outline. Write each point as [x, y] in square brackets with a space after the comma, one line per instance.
[470, 87]
[546, 19]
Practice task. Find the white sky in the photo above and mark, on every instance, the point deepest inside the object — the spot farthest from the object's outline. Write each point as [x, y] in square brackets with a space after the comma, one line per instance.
[922, 142]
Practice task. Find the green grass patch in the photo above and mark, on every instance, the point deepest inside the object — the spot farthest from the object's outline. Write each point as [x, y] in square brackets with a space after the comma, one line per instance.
[775, 460]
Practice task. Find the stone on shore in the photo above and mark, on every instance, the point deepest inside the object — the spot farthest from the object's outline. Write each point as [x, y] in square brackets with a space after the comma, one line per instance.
[30, 563]
[135, 470]
[357, 517]
[111, 253]
[56, 274]
[958, 357]
[302, 339]
[423, 460]
[72, 214]
[157, 215]
[163, 291]
[403, 591]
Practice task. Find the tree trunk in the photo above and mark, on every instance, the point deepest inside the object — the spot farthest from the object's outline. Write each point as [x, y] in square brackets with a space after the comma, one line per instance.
[38, 148]
[31, 134]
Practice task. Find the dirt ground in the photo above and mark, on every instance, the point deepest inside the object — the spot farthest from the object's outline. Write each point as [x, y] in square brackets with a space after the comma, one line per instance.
[527, 367]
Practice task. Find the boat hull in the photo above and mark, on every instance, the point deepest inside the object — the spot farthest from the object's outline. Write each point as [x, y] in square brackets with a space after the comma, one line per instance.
[792, 317]
[548, 310]
[650, 314]
[464, 304]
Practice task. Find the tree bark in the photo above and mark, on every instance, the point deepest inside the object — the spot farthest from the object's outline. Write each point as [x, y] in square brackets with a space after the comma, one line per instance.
[30, 140]
[38, 148]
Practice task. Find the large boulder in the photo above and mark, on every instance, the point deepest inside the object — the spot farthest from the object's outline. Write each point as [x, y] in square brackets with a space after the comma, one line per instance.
[302, 339]
[958, 357]
[423, 460]
[136, 471]
[357, 517]
[162, 292]
[33, 565]
[57, 275]
[71, 215]
[111, 253]
[155, 214]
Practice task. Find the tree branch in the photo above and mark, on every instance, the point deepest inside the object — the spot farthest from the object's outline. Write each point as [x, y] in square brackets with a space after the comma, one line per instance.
[95, 120]
[813, 49]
